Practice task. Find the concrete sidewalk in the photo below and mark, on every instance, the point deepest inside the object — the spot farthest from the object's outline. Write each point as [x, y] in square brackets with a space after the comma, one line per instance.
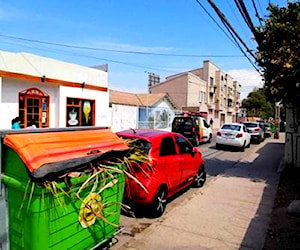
[231, 212]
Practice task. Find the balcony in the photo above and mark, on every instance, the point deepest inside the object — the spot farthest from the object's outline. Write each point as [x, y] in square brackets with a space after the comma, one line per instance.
[230, 109]
[212, 89]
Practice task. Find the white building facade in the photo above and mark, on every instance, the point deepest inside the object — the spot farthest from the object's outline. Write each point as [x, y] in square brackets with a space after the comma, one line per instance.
[52, 93]
[131, 111]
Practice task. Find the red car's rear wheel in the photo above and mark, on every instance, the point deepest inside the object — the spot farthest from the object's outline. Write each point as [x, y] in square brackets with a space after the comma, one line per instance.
[159, 202]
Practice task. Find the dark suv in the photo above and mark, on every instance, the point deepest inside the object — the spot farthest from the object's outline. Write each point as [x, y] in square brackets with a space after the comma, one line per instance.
[193, 127]
[188, 127]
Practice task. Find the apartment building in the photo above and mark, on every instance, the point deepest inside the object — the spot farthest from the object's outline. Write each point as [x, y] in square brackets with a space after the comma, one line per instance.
[208, 90]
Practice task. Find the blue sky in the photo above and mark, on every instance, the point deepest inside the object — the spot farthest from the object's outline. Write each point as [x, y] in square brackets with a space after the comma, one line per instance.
[156, 26]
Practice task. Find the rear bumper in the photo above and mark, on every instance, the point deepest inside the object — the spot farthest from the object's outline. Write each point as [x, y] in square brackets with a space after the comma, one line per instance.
[255, 136]
[230, 142]
[134, 192]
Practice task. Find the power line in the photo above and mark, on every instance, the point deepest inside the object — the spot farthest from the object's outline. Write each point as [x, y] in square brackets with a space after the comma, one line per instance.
[160, 68]
[214, 20]
[256, 13]
[238, 20]
[260, 7]
[111, 50]
[232, 31]
[244, 12]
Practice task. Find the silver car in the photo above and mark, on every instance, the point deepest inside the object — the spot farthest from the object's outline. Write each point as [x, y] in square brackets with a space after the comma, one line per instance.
[256, 130]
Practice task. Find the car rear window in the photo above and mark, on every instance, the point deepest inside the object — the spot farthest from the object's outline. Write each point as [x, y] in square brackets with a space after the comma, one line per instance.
[231, 127]
[141, 144]
[182, 121]
[251, 125]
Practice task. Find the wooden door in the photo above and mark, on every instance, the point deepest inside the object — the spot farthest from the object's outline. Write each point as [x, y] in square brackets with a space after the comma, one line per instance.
[33, 111]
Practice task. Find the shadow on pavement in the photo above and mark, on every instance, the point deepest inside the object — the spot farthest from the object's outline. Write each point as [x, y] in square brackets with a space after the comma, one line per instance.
[262, 169]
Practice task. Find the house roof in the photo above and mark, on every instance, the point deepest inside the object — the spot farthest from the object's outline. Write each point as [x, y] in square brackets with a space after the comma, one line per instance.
[25, 64]
[118, 97]
[125, 98]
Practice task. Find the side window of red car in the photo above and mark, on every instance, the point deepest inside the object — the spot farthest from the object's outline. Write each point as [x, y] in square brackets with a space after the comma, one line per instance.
[167, 147]
[183, 145]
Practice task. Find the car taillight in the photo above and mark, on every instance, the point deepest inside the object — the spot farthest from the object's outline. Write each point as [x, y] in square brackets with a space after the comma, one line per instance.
[256, 129]
[193, 129]
[218, 134]
[239, 135]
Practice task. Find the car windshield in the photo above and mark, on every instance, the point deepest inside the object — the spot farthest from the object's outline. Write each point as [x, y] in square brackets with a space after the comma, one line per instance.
[231, 127]
[251, 125]
[141, 144]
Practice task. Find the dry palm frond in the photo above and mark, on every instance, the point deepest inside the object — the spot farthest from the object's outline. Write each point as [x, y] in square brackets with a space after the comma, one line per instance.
[24, 198]
[108, 185]
[31, 194]
[90, 206]
[56, 190]
[89, 180]
[91, 209]
[100, 176]
[137, 181]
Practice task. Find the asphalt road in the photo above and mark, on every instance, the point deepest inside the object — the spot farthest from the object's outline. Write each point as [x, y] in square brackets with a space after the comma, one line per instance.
[216, 163]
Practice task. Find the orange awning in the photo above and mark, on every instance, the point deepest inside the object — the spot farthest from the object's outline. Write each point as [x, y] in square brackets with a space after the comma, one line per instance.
[51, 152]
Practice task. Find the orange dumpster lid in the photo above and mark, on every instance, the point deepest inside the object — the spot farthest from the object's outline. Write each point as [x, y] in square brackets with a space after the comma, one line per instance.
[51, 152]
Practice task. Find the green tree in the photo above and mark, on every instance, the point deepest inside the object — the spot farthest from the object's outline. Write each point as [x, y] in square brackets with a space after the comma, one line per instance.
[279, 52]
[279, 56]
[257, 105]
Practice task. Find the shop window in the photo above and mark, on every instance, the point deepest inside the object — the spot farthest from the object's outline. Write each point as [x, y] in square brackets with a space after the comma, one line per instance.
[80, 112]
[34, 106]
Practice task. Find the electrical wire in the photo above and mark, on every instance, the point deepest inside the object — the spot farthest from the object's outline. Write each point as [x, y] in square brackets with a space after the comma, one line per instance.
[244, 12]
[232, 31]
[111, 50]
[256, 13]
[260, 8]
[161, 68]
[237, 19]
[214, 20]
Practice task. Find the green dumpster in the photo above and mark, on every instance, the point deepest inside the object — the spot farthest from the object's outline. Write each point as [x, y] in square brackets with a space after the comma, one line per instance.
[61, 193]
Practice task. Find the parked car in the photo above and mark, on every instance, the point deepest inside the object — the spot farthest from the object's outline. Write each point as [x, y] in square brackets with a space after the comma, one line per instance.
[233, 134]
[268, 132]
[193, 127]
[175, 164]
[256, 130]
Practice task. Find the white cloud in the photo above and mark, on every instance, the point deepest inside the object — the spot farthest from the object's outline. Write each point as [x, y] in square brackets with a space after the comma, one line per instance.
[248, 78]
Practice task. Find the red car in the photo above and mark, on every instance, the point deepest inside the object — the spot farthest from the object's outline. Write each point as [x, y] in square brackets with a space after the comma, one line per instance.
[175, 164]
